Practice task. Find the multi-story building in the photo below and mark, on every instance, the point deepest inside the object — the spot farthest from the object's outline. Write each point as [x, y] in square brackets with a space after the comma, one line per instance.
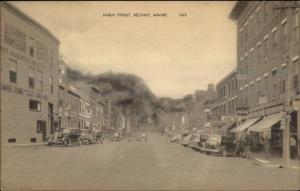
[268, 64]
[221, 109]
[29, 65]
[226, 91]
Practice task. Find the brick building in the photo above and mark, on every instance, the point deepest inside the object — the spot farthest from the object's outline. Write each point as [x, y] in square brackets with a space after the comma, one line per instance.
[268, 65]
[29, 65]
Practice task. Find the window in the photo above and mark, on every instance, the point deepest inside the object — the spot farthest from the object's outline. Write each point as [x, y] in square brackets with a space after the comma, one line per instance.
[13, 71]
[275, 37]
[284, 30]
[13, 140]
[34, 105]
[31, 78]
[258, 18]
[51, 58]
[296, 82]
[33, 140]
[266, 83]
[51, 84]
[31, 46]
[297, 25]
[283, 86]
[39, 79]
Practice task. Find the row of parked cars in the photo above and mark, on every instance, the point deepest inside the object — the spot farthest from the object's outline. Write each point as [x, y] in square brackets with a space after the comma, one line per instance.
[68, 137]
[206, 143]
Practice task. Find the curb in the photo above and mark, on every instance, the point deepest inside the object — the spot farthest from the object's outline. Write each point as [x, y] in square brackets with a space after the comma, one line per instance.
[267, 163]
[27, 145]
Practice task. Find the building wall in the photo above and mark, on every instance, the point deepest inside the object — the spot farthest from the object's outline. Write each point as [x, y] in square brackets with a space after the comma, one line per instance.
[268, 52]
[17, 121]
[226, 91]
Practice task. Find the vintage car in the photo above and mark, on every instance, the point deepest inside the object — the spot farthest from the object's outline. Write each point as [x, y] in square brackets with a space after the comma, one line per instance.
[220, 145]
[195, 140]
[186, 140]
[87, 136]
[116, 137]
[99, 137]
[176, 138]
[65, 138]
[201, 144]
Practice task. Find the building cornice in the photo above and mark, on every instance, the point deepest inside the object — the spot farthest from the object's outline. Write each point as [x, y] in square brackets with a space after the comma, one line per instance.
[10, 7]
[237, 9]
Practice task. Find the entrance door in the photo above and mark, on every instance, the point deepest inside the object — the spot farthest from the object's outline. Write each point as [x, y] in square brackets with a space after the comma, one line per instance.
[42, 128]
[50, 118]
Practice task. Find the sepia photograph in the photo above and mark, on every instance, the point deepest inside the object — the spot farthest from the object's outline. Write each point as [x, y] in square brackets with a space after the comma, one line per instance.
[150, 95]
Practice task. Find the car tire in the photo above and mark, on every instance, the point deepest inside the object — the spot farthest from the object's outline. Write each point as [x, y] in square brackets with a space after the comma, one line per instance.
[223, 152]
[49, 144]
[66, 142]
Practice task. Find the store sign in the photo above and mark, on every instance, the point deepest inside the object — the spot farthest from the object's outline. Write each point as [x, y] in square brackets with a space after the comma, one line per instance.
[242, 111]
[262, 100]
[296, 105]
[21, 91]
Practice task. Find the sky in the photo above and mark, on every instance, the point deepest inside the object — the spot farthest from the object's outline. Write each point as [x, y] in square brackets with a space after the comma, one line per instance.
[175, 55]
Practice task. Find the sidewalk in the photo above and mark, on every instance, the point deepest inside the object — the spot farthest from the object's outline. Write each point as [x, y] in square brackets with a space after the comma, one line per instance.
[25, 145]
[274, 160]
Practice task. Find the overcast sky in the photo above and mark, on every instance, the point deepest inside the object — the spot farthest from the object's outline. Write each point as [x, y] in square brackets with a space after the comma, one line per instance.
[174, 55]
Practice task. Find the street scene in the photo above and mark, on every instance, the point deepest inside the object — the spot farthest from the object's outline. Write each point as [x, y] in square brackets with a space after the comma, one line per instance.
[155, 164]
[150, 95]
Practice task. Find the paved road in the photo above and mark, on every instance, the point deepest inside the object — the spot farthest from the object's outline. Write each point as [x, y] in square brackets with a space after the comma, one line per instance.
[153, 165]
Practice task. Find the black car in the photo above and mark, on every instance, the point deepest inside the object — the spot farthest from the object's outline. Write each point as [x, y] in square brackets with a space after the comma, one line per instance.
[66, 138]
[221, 145]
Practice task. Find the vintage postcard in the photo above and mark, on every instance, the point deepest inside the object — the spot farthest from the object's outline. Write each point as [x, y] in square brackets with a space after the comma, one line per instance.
[150, 95]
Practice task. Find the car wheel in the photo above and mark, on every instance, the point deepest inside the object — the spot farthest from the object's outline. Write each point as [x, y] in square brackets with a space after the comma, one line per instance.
[66, 142]
[223, 152]
[49, 144]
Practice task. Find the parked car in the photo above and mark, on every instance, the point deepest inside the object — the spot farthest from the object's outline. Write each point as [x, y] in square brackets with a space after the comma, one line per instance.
[99, 137]
[221, 145]
[116, 137]
[195, 140]
[66, 138]
[186, 140]
[203, 139]
[176, 138]
[87, 136]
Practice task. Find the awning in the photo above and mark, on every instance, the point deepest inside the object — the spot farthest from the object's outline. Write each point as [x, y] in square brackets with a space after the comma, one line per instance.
[228, 125]
[266, 123]
[245, 125]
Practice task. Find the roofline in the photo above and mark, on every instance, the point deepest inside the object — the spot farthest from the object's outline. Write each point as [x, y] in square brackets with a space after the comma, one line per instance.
[237, 9]
[226, 77]
[29, 19]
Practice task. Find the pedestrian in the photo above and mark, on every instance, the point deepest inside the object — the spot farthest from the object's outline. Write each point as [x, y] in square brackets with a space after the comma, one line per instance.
[293, 145]
[267, 145]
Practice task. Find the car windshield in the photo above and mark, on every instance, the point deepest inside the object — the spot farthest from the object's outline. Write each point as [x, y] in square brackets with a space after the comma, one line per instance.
[66, 131]
[213, 140]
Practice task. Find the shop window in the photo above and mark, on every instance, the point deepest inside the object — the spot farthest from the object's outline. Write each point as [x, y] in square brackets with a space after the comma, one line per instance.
[12, 140]
[13, 71]
[33, 140]
[34, 105]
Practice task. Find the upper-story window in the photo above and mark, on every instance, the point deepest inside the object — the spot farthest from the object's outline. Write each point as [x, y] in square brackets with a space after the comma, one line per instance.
[284, 30]
[296, 25]
[31, 46]
[31, 75]
[258, 18]
[39, 79]
[275, 37]
[12, 71]
[51, 58]
[51, 84]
